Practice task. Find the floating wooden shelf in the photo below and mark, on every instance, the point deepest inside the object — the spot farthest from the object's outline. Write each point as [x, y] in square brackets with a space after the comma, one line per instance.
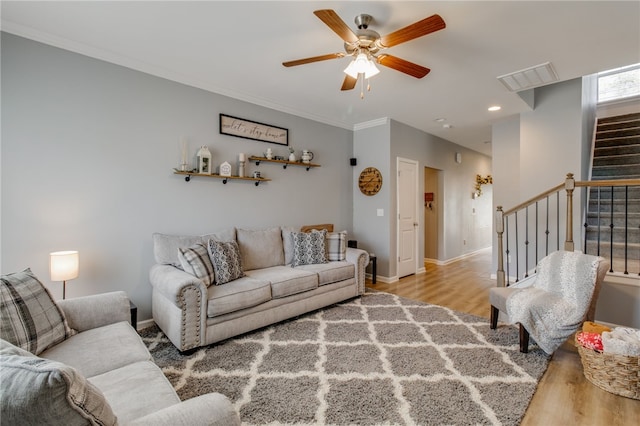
[225, 179]
[284, 163]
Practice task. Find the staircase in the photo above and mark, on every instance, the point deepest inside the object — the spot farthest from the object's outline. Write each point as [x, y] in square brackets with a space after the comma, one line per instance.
[613, 216]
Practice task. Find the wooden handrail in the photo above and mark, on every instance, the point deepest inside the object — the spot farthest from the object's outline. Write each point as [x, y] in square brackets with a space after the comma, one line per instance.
[569, 184]
[620, 182]
[534, 199]
[580, 183]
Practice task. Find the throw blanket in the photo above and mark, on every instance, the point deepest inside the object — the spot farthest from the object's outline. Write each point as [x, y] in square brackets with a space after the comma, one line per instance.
[557, 302]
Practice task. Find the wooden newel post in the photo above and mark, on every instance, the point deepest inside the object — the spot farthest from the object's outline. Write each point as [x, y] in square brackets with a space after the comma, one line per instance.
[569, 186]
[500, 230]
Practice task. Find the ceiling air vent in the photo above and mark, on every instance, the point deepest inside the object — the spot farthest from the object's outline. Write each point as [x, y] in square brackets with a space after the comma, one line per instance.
[535, 76]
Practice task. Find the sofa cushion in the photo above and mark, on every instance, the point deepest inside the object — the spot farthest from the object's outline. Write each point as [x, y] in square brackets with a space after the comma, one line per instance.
[86, 351]
[336, 246]
[135, 390]
[240, 294]
[286, 281]
[30, 317]
[331, 272]
[309, 248]
[165, 247]
[226, 259]
[195, 260]
[41, 391]
[260, 248]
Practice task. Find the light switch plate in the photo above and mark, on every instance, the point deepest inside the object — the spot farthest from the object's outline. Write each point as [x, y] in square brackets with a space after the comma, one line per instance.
[380, 212]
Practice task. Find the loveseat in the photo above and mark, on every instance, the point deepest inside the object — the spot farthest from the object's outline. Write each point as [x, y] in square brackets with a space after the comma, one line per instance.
[212, 287]
[91, 367]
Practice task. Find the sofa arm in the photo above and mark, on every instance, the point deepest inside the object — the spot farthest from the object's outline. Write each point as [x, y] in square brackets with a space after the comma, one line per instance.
[173, 288]
[209, 409]
[88, 312]
[171, 282]
[360, 259]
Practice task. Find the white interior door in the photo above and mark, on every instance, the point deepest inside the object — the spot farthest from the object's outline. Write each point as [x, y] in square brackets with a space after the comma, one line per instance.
[407, 192]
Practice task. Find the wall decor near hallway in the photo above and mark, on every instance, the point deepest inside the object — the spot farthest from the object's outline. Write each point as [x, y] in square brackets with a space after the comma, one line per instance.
[248, 129]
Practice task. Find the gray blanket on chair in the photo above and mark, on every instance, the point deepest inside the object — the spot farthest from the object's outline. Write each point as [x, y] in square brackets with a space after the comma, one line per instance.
[556, 304]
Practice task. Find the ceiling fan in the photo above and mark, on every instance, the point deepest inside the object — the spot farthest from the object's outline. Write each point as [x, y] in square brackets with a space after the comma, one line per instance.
[365, 46]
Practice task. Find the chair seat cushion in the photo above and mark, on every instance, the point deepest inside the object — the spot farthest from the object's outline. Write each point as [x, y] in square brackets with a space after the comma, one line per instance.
[238, 294]
[135, 390]
[331, 272]
[498, 297]
[86, 351]
[285, 280]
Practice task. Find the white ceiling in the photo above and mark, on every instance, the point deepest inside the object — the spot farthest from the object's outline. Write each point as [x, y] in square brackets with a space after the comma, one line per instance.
[236, 48]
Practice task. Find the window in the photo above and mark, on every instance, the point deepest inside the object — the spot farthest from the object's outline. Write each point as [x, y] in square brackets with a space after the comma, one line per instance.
[618, 84]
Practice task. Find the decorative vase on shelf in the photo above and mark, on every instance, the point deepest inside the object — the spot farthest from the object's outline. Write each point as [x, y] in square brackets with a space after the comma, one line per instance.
[307, 156]
[292, 157]
[204, 160]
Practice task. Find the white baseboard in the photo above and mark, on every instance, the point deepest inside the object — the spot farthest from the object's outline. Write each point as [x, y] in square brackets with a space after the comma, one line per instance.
[456, 259]
[144, 324]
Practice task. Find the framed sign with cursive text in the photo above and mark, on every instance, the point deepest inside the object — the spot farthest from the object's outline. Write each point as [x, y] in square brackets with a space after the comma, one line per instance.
[247, 129]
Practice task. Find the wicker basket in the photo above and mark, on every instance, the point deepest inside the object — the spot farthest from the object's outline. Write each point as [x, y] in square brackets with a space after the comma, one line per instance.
[618, 374]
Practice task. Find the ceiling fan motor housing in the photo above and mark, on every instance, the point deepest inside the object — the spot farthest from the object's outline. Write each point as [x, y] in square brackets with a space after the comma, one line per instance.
[366, 38]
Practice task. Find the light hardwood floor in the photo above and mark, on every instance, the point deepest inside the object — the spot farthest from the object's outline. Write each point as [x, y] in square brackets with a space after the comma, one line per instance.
[564, 396]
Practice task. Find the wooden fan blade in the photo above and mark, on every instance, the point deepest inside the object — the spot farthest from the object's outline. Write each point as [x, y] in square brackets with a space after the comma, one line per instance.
[333, 21]
[398, 64]
[313, 59]
[427, 25]
[349, 83]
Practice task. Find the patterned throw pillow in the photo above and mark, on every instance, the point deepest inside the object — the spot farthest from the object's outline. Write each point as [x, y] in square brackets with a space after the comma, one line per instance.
[41, 391]
[30, 318]
[337, 246]
[195, 261]
[227, 264]
[309, 248]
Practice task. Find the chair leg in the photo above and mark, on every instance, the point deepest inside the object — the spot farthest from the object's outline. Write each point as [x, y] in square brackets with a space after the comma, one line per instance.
[494, 317]
[524, 340]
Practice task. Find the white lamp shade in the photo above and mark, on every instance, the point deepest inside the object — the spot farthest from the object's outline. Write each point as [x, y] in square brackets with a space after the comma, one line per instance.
[64, 265]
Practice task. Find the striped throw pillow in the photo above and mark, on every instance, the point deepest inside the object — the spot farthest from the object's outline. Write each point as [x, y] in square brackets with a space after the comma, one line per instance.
[31, 319]
[336, 246]
[195, 261]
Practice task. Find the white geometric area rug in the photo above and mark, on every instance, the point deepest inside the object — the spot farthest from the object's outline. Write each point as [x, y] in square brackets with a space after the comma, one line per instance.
[376, 359]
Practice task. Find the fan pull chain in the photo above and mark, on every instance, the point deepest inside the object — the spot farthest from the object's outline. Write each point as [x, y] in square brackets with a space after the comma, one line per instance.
[362, 88]
[368, 86]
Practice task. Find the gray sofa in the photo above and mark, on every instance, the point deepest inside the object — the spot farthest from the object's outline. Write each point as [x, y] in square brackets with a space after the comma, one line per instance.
[193, 314]
[109, 354]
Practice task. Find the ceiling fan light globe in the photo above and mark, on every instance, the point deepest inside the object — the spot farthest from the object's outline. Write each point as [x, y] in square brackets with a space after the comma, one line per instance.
[350, 70]
[361, 63]
[371, 71]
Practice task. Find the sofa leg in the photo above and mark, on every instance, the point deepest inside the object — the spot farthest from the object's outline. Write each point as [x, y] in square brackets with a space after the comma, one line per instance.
[494, 317]
[524, 340]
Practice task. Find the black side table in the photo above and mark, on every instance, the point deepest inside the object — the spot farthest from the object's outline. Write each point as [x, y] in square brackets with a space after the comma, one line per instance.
[134, 315]
[373, 260]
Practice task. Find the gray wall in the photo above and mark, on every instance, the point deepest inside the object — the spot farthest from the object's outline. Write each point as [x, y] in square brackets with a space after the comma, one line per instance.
[87, 155]
[461, 230]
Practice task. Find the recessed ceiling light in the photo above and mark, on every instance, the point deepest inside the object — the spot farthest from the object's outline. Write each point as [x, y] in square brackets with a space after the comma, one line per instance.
[439, 120]
[495, 108]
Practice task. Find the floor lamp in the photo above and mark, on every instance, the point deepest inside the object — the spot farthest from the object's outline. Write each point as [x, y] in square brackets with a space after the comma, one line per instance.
[63, 266]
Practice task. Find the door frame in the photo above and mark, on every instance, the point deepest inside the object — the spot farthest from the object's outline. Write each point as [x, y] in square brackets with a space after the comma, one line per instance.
[416, 229]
